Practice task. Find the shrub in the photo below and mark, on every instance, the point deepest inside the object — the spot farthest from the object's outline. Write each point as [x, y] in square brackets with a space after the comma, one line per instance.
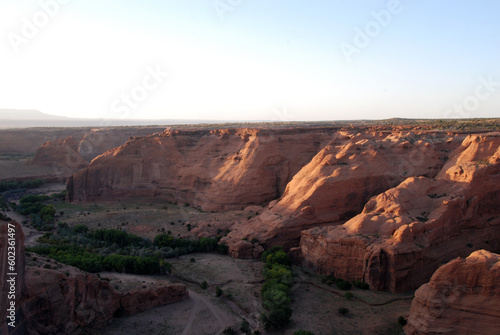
[204, 285]
[348, 295]
[245, 327]
[343, 285]
[192, 260]
[280, 317]
[361, 284]
[80, 228]
[343, 310]
[218, 291]
[229, 331]
[402, 321]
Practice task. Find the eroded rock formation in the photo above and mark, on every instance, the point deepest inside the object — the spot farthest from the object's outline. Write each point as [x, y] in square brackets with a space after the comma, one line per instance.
[61, 154]
[210, 169]
[461, 298]
[87, 300]
[69, 154]
[404, 234]
[335, 185]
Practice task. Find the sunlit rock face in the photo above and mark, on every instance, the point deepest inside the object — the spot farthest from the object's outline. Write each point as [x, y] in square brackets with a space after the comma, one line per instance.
[339, 180]
[210, 169]
[405, 233]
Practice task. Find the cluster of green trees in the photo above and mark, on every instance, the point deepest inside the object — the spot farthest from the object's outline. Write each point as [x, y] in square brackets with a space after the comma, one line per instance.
[276, 289]
[41, 214]
[93, 262]
[116, 250]
[14, 184]
[120, 237]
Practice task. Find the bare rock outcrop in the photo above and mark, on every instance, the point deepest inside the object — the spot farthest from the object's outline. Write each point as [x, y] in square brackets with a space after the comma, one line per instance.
[461, 298]
[60, 154]
[49, 301]
[335, 185]
[211, 169]
[67, 155]
[404, 234]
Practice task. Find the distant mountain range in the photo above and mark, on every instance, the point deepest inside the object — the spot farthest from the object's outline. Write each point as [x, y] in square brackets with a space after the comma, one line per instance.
[26, 118]
[27, 114]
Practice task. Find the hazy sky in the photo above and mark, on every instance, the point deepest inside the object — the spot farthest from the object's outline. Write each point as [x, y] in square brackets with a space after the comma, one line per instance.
[251, 59]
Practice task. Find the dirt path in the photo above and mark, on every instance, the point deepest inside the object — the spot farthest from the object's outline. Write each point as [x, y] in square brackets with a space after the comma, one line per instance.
[30, 235]
[200, 302]
[224, 322]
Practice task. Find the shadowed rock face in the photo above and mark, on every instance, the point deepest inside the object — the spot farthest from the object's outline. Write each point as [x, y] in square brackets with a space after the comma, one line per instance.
[51, 302]
[461, 298]
[75, 152]
[60, 153]
[210, 169]
[335, 185]
[404, 234]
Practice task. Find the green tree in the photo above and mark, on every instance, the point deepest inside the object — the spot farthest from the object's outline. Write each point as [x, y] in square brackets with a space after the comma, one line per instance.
[47, 213]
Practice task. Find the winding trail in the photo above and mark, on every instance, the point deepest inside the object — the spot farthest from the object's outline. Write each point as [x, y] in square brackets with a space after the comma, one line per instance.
[198, 299]
[30, 235]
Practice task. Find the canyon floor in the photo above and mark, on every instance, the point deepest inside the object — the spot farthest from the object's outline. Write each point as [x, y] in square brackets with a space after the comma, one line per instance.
[315, 304]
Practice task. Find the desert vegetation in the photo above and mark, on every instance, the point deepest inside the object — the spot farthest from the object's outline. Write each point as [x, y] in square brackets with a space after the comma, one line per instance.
[115, 250]
[276, 289]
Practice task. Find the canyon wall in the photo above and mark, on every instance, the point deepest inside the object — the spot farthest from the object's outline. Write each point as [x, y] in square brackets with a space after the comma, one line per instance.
[28, 140]
[335, 185]
[210, 169]
[404, 234]
[52, 301]
[461, 298]
[68, 154]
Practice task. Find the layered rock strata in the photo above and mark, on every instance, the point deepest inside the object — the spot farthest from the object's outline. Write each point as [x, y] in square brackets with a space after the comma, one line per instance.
[210, 169]
[404, 234]
[336, 184]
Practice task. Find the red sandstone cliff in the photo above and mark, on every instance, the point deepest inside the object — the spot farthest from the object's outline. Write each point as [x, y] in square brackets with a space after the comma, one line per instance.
[335, 185]
[60, 154]
[462, 297]
[69, 154]
[52, 302]
[210, 169]
[404, 234]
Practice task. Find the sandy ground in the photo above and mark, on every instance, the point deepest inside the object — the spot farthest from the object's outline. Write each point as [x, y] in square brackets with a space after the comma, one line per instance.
[20, 168]
[202, 312]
